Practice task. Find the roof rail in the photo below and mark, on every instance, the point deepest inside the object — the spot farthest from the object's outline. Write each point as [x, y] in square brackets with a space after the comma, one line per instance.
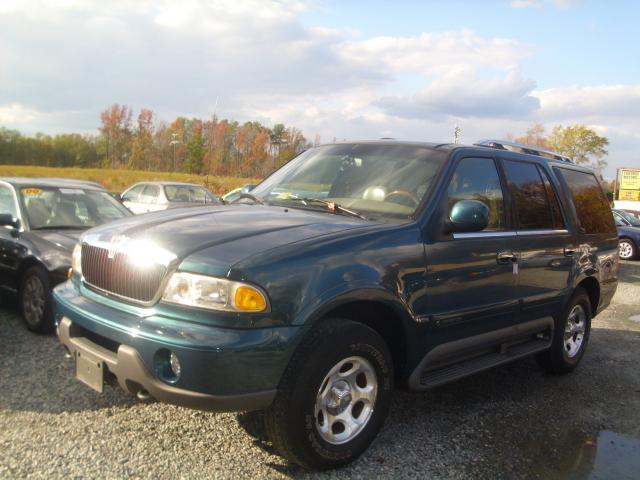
[522, 148]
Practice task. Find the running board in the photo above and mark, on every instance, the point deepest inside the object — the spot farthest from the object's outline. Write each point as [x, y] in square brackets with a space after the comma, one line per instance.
[456, 359]
[437, 377]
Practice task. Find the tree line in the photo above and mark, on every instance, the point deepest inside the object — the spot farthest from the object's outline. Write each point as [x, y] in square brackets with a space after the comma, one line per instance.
[578, 142]
[215, 146]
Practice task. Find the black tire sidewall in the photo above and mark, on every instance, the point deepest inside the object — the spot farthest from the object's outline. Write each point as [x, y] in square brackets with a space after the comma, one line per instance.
[356, 340]
[45, 324]
[580, 298]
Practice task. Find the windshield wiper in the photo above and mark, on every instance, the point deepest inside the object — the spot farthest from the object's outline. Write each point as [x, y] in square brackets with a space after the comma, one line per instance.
[250, 197]
[61, 227]
[331, 206]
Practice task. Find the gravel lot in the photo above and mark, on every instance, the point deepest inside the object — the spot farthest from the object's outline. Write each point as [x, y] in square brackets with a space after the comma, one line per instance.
[510, 422]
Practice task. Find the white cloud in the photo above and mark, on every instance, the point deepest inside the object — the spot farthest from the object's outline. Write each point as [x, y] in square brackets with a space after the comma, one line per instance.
[65, 61]
[600, 101]
[462, 93]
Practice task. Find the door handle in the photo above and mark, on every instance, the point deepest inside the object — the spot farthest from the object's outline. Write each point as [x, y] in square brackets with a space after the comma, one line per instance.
[505, 258]
[569, 252]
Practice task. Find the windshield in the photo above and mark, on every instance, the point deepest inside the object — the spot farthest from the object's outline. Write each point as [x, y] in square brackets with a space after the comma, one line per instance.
[629, 217]
[188, 193]
[53, 207]
[371, 179]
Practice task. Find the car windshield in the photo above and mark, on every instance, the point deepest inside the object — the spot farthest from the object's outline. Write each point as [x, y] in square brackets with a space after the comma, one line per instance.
[373, 180]
[188, 193]
[629, 217]
[77, 208]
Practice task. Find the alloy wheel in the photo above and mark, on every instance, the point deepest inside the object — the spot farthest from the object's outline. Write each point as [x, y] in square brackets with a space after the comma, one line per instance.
[346, 400]
[574, 331]
[33, 301]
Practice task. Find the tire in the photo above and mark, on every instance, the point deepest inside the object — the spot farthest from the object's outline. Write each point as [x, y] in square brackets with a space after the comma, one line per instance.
[567, 351]
[301, 423]
[626, 249]
[35, 300]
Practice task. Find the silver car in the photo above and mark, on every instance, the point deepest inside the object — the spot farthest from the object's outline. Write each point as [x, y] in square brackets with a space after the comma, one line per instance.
[154, 196]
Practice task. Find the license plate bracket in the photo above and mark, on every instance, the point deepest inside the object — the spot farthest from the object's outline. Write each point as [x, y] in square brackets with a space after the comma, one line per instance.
[90, 370]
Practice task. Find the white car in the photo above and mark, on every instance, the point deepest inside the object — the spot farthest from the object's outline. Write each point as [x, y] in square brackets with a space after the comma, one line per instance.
[154, 196]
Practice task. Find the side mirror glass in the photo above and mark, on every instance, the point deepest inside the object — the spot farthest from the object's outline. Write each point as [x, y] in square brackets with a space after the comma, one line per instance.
[468, 216]
[8, 220]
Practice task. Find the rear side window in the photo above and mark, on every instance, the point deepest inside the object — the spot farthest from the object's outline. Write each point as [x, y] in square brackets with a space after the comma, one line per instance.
[477, 179]
[594, 213]
[536, 205]
[132, 195]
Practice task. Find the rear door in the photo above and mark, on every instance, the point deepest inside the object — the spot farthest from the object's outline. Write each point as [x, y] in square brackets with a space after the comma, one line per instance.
[544, 244]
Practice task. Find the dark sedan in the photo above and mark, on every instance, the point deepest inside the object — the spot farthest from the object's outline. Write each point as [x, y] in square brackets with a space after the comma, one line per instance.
[40, 222]
[628, 233]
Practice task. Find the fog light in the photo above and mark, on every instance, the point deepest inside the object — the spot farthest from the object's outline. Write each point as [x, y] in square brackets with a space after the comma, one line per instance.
[175, 364]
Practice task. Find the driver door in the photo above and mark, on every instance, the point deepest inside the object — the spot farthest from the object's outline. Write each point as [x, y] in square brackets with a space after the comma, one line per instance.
[472, 277]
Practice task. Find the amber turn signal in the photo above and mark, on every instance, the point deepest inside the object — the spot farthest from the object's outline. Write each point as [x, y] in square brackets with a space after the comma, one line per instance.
[249, 299]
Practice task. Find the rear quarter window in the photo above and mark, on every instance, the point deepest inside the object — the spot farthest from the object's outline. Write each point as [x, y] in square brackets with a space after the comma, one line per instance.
[592, 207]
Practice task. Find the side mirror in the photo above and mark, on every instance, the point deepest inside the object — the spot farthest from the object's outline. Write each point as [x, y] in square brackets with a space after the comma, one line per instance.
[8, 220]
[468, 216]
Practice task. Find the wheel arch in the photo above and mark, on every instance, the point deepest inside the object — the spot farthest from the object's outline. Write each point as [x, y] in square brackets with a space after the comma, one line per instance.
[592, 287]
[384, 320]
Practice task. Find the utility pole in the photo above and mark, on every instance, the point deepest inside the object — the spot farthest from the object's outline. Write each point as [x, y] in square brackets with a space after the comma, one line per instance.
[456, 134]
[174, 142]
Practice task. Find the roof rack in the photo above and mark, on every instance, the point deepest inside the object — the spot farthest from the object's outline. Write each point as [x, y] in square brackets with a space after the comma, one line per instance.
[522, 148]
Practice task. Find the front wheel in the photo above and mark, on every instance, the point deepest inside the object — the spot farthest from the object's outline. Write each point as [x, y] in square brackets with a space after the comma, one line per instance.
[35, 300]
[333, 397]
[626, 249]
[570, 336]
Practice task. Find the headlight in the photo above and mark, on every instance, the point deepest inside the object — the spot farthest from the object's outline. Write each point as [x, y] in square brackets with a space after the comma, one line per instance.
[76, 259]
[214, 293]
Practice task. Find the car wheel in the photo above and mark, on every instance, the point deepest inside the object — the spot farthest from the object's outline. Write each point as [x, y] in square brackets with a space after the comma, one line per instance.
[35, 300]
[333, 397]
[626, 249]
[570, 336]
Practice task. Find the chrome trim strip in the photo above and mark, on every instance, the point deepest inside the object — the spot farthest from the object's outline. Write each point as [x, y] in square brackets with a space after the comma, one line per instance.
[509, 233]
[524, 233]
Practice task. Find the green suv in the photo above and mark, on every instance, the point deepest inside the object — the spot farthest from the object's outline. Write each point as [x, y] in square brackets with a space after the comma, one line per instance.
[353, 269]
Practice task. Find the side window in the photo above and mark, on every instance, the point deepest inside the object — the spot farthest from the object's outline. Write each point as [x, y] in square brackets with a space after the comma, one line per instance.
[558, 221]
[591, 204]
[132, 195]
[477, 179]
[149, 194]
[7, 201]
[619, 221]
[530, 196]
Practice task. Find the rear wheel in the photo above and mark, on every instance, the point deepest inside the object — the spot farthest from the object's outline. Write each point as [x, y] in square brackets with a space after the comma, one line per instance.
[570, 336]
[333, 397]
[35, 300]
[626, 249]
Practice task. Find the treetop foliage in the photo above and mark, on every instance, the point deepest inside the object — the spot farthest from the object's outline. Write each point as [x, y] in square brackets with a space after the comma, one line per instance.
[215, 146]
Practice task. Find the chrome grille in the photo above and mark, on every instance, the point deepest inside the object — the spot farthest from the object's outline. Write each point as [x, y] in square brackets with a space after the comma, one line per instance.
[119, 275]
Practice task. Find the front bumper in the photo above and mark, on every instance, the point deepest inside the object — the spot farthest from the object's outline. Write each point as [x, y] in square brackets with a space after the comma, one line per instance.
[223, 369]
[132, 375]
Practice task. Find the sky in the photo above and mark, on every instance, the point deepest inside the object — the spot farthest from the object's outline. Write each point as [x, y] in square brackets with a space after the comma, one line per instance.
[410, 70]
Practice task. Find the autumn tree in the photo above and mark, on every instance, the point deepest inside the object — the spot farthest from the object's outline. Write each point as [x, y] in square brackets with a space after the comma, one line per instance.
[581, 143]
[141, 149]
[195, 149]
[116, 129]
[535, 136]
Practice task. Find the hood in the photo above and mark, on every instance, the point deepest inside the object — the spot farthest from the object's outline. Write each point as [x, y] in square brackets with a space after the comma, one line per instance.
[62, 239]
[228, 233]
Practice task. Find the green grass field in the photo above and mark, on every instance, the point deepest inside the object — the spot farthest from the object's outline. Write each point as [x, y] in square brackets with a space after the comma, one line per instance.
[118, 180]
